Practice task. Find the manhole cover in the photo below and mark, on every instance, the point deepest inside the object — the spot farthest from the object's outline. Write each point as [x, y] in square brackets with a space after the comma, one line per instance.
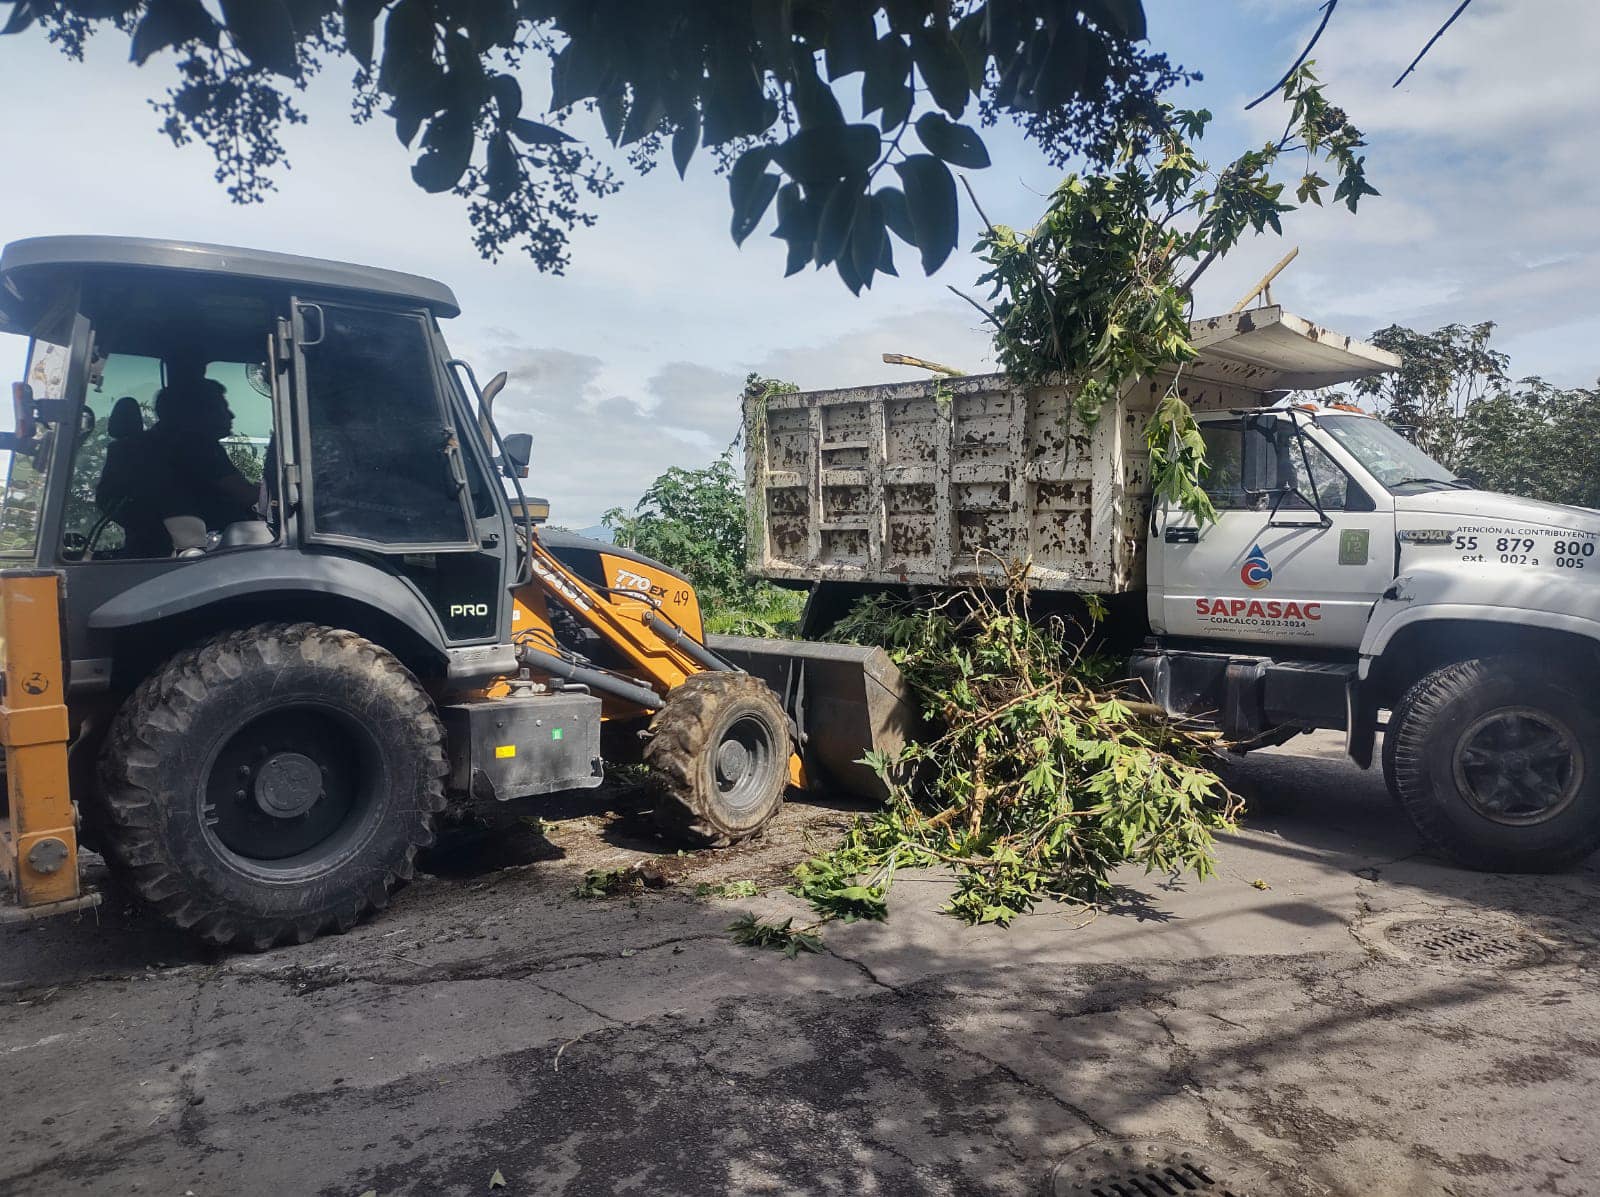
[1148, 1168]
[1465, 944]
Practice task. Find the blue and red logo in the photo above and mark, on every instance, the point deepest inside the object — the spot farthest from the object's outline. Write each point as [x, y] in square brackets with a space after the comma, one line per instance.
[1256, 572]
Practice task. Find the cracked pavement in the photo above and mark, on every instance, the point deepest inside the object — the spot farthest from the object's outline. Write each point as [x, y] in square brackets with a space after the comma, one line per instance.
[490, 1020]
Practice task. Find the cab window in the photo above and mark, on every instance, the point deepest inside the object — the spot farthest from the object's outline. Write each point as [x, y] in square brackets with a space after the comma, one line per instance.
[110, 508]
[1250, 460]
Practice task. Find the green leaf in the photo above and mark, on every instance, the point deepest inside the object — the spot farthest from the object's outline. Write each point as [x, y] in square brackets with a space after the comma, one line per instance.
[818, 155]
[537, 133]
[750, 189]
[833, 226]
[684, 141]
[168, 23]
[581, 71]
[892, 204]
[797, 225]
[852, 37]
[956, 144]
[1125, 18]
[931, 200]
[359, 19]
[447, 152]
[887, 83]
[264, 34]
[503, 174]
[943, 68]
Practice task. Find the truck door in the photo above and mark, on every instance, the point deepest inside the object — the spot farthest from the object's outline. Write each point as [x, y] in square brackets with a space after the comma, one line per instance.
[1299, 551]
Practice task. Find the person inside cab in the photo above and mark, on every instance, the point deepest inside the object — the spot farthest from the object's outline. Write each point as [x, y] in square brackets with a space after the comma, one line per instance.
[174, 481]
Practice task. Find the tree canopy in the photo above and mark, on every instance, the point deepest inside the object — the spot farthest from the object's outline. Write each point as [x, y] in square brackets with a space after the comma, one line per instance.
[845, 116]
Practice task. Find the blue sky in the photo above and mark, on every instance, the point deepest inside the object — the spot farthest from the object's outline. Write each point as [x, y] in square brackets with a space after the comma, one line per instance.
[632, 361]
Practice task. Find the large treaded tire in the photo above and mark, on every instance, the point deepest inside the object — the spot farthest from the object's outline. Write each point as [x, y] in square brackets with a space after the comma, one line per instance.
[1421, 747]
[695, 802]
[162, 837]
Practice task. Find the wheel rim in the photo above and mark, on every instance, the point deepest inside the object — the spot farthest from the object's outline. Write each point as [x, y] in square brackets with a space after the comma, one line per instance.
[743, 762]
[291, 791]
[1518, 766]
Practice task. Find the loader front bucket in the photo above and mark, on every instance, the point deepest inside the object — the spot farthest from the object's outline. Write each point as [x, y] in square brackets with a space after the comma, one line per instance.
[845, 699]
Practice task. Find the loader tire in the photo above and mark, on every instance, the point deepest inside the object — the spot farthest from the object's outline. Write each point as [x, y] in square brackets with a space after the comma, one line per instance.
[719, 749]
[272, 784]
[1497, 763]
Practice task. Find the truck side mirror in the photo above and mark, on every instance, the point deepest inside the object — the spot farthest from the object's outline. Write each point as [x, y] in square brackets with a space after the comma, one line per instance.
[518, 449]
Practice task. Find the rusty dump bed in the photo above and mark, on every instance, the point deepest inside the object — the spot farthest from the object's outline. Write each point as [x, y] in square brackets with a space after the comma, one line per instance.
[941, 482]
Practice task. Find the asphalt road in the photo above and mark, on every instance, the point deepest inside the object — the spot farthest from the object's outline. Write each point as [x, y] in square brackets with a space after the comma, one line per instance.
[1333, 1013]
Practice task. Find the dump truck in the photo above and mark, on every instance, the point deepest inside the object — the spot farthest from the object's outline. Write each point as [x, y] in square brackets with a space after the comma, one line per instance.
[1348, 581]
[268, 610]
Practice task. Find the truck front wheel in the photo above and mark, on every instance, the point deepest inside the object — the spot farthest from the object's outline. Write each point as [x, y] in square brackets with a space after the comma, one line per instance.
[272, 784]
[1497, 763]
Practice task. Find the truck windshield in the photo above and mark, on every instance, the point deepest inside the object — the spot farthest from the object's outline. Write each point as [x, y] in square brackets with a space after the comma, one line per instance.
[1388, 456]
[25, 470]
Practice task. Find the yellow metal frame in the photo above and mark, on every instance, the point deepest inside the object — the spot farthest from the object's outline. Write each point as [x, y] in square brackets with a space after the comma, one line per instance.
[39, 839]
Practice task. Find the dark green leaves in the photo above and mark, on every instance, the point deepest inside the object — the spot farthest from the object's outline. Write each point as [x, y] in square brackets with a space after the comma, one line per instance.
[943, 68]
[931, 204]
[446, 152]
[264, 33]
[818, 155]
[535, 133]
[359, 18]
[750, 189]
[956, 144]
[168, 23]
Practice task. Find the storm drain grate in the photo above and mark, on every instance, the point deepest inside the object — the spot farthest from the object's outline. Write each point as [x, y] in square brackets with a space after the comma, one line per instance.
[1466, 945]
[1147, 1168]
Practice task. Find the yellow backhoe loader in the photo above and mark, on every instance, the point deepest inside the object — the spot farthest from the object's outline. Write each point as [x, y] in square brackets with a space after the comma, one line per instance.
[268, 607]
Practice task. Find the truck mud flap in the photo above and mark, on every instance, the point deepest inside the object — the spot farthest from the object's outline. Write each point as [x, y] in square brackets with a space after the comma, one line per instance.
[846, 700]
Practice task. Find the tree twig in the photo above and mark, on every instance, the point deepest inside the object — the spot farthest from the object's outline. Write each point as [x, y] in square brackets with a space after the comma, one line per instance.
[987, 314]
[1327, 12]
[1460, 8]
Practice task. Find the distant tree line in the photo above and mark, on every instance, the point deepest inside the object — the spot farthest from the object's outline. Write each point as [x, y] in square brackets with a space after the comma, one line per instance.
[1455, 396]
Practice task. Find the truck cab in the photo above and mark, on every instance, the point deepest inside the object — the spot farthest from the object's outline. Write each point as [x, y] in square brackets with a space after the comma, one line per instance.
[1349, 581]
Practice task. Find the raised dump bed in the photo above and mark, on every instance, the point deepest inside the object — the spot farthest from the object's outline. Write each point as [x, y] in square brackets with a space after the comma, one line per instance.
[941, 482]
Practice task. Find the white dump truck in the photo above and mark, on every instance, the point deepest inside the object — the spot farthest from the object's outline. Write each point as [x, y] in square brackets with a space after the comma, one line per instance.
[1349, 581]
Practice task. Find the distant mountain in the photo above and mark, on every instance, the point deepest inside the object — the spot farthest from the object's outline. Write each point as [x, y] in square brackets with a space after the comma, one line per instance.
[596, 532]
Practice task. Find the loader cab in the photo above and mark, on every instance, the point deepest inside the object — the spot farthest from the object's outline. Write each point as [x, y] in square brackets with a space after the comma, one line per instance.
[201, 428]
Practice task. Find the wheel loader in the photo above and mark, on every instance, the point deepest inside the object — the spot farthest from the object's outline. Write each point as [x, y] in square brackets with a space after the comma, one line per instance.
[252, 657]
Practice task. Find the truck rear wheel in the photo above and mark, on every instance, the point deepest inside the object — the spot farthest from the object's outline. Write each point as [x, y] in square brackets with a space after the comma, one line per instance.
[720, 752]
[1497, 763]
[272, 784]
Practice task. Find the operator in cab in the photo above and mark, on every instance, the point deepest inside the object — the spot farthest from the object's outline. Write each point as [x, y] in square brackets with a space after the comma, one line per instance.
[177, 468]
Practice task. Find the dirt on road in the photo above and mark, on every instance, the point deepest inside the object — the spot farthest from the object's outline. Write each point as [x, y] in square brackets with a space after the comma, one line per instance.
[1334, 1013]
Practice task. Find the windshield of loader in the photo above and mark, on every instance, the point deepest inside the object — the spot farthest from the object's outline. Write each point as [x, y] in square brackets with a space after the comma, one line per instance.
[26, 469]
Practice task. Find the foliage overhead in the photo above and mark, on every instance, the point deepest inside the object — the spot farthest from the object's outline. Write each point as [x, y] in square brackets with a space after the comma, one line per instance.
[1098, 291]
[1035, 778]
[845, 115]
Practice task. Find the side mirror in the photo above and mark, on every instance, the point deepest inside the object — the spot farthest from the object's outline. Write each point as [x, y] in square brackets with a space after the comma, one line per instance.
[518, 452]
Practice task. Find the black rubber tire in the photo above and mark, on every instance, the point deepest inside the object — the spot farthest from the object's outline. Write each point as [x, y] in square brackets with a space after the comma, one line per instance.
[685, 737]
[170, 732]
[1419, 753]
